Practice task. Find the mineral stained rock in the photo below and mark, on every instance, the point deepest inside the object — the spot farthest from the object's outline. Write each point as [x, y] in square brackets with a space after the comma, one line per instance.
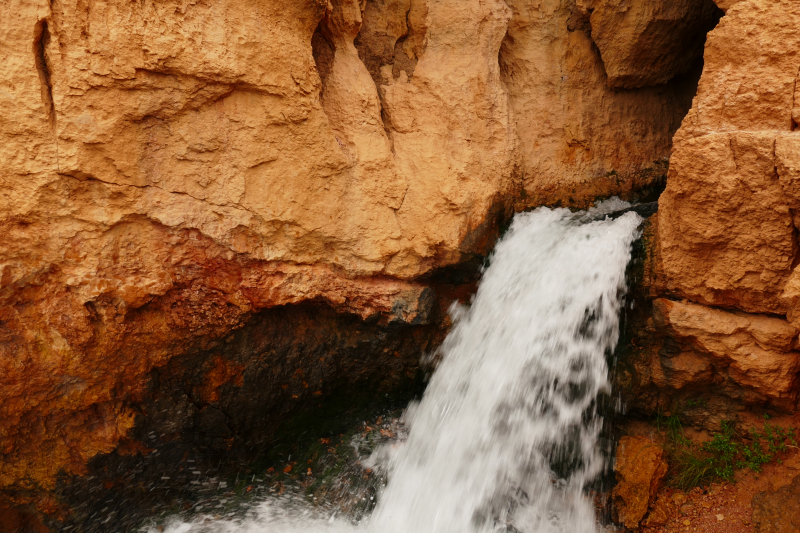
[172, 169]
[640, 469]
[727, 224]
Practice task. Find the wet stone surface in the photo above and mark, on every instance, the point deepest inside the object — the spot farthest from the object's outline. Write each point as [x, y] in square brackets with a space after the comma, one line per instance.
[216, 421]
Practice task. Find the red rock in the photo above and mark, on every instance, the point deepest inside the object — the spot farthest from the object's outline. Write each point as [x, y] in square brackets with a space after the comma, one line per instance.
[640, 469]
[778, 511]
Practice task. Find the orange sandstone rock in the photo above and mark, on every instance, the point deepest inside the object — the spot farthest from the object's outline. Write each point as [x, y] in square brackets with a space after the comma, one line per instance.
[727, 225]
[778, 511]
[578, 137]
[725, 5]
[640, 469]
[754, 351]
[169, 169]
[649, 42]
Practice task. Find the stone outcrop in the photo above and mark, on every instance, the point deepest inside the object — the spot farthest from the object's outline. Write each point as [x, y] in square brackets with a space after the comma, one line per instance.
[579, 136]
[173, 171]
[722, 350]
[649, 43]
[725, 246]
[640, 468]
[725, 5]
[167, 175]
[778, 511]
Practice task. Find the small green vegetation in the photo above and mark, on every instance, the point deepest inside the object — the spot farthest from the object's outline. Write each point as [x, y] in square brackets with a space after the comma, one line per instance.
[694, 464]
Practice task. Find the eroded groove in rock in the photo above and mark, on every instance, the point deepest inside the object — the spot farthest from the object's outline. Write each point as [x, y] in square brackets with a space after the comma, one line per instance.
[350, 100]
[41, 38]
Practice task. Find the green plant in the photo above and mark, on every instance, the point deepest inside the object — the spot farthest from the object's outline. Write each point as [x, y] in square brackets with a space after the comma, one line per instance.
[689, 469]
[695, 464]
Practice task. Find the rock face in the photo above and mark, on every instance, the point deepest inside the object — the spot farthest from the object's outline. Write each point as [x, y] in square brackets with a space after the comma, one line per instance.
[173, 171]
[725, 5]
[167, 176]
[778, 511]
[753, 357]
[579, 136]
[640, 469]
[726, 231]
[649, 43]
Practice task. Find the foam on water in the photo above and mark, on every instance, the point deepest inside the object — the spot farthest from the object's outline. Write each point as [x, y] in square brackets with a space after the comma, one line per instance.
[506, 436]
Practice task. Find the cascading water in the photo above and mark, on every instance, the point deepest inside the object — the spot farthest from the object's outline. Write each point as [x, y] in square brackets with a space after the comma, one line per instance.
[506, 436]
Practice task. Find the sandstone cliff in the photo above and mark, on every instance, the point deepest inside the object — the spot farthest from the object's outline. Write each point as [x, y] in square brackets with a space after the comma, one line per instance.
[726, 249]
[172, 168]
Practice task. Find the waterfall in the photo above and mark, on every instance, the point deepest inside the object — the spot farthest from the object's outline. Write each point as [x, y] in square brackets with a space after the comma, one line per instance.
[506, 436]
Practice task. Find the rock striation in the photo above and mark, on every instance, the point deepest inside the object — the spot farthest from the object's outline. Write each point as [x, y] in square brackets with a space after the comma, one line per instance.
[174, 173]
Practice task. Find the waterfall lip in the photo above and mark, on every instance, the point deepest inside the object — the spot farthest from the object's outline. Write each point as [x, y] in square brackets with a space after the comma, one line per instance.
[645, 210]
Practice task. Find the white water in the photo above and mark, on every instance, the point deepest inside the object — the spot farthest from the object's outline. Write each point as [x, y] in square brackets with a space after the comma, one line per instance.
[514, 394]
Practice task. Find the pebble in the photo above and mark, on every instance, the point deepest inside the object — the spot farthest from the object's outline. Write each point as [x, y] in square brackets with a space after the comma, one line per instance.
[679, 498]
[720, 518]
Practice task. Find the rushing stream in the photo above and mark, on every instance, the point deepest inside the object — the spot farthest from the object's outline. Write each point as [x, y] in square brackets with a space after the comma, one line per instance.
[506, 436]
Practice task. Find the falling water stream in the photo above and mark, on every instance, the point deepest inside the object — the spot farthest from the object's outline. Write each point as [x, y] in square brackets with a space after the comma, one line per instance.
[507, 434]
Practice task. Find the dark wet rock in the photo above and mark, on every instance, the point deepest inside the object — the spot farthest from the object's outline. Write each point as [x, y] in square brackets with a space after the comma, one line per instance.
[292, 373]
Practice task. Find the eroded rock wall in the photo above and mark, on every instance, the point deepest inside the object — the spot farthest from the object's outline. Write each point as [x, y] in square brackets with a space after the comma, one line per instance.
[725, 242]
[583, 131]
[172, 169]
